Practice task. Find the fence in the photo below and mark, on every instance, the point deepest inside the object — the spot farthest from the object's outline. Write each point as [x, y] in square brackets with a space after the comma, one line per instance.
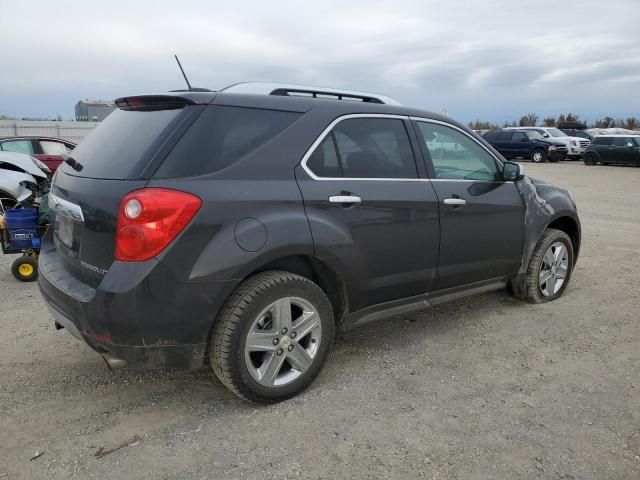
[72, 131]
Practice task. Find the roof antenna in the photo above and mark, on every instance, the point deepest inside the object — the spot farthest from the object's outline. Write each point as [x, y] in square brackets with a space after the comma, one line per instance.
[183, 74]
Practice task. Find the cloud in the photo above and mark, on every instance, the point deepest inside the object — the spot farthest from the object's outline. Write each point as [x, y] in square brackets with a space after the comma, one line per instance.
[492, 59]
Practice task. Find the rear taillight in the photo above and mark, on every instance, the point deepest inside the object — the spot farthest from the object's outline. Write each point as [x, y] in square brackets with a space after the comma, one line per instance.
[149, 219]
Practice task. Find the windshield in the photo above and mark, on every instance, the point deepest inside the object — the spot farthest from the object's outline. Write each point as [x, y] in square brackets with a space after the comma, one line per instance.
[533, 135]
[554, 132]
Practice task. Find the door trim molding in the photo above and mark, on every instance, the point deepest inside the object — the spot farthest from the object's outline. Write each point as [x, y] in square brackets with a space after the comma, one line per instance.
[424, 301]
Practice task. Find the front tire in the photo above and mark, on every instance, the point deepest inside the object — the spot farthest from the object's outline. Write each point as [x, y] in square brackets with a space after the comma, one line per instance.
[272, 337]
[539, 156]
[590, 159]
[550, 267]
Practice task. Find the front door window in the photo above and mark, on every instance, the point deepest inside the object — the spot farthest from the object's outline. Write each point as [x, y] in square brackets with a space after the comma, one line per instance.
[455, 156]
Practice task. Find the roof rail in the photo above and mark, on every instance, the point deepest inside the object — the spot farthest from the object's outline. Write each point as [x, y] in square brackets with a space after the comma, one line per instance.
[284, 89]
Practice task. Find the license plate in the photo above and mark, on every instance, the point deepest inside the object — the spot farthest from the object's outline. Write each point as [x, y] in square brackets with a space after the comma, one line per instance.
[65, 230]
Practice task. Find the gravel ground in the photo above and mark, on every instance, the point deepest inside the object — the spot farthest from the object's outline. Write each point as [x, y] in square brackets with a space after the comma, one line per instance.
[486, 387]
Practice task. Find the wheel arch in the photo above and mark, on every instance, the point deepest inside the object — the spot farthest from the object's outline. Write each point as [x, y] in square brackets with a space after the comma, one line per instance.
[319, 272]
[305, 265]
[568, 225]
[592, 152]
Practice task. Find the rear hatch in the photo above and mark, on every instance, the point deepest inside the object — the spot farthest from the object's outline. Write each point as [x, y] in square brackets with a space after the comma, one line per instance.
[113, 160]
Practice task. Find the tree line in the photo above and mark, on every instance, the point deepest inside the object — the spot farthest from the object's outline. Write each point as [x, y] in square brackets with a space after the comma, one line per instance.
[531, 120]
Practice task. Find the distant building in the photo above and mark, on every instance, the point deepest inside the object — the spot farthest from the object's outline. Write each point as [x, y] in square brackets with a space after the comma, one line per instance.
[93, 110]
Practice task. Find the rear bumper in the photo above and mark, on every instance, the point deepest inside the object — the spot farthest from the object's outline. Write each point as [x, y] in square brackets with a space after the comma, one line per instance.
[136, 357]
[139, 313]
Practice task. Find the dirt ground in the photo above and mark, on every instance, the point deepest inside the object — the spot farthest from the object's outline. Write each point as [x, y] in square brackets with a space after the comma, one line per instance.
[486, 387]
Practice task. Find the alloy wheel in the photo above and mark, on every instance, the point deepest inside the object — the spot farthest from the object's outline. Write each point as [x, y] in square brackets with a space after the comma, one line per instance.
[554, 269]
[283, 341]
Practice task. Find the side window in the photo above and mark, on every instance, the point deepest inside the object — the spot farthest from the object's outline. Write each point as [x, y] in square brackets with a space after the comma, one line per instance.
[221, 136]
[518, 137]
[324, 160]
[602, 141]
[456, 156]
[18, 146]
[504, 136]
[53, 148]
[621, 141]
[365, 148]
[490, 136]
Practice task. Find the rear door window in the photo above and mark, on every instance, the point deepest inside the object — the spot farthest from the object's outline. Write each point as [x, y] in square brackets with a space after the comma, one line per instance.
[221, 136]
[365, 148]
[518, 137]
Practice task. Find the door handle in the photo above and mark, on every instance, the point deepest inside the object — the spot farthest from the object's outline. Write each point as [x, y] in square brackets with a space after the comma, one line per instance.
[455, 201]
[351, 200]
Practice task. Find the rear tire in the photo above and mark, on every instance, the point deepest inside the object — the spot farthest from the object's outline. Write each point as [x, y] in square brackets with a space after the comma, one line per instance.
[272, 337]
[538, 156]
[590, 159]
[550, 267]
[25, 268]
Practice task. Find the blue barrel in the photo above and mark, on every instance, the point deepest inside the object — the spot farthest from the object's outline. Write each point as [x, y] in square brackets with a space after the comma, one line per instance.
[22, 224]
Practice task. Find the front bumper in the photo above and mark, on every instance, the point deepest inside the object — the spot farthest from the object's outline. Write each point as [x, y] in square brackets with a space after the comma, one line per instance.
[139, 313]
[555, 155]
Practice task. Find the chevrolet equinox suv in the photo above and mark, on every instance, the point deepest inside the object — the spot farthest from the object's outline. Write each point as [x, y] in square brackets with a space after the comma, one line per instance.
[242, 230]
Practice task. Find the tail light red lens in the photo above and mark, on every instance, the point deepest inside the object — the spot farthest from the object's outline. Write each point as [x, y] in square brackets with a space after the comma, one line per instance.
[150, 219]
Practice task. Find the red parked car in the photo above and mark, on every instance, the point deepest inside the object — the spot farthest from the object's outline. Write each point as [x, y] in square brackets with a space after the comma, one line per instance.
[48, 150]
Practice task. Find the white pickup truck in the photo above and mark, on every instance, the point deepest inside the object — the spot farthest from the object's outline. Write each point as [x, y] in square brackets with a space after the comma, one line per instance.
[575, 145]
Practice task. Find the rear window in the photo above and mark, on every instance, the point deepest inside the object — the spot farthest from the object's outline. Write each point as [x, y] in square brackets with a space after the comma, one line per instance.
[122, 144]
[221, 136]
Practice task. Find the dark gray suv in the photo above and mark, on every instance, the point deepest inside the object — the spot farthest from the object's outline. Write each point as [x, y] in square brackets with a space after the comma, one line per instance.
[242, 230]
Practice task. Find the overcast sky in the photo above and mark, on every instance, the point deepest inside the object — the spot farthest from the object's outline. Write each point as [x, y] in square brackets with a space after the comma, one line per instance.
[491, 59]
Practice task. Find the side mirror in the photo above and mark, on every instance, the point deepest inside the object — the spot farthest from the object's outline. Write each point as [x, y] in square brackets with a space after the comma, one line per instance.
[630, 145]
[512, 171]
[545, 135]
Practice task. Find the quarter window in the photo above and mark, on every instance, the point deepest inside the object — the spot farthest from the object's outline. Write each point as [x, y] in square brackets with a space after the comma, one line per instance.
[365, 148]
[455, 155]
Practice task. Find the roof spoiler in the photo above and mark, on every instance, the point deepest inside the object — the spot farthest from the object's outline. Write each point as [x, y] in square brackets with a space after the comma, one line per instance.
[148, 103]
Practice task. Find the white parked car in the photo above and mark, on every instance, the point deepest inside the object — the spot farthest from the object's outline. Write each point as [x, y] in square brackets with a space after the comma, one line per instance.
[575, 145]
[19, 172]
